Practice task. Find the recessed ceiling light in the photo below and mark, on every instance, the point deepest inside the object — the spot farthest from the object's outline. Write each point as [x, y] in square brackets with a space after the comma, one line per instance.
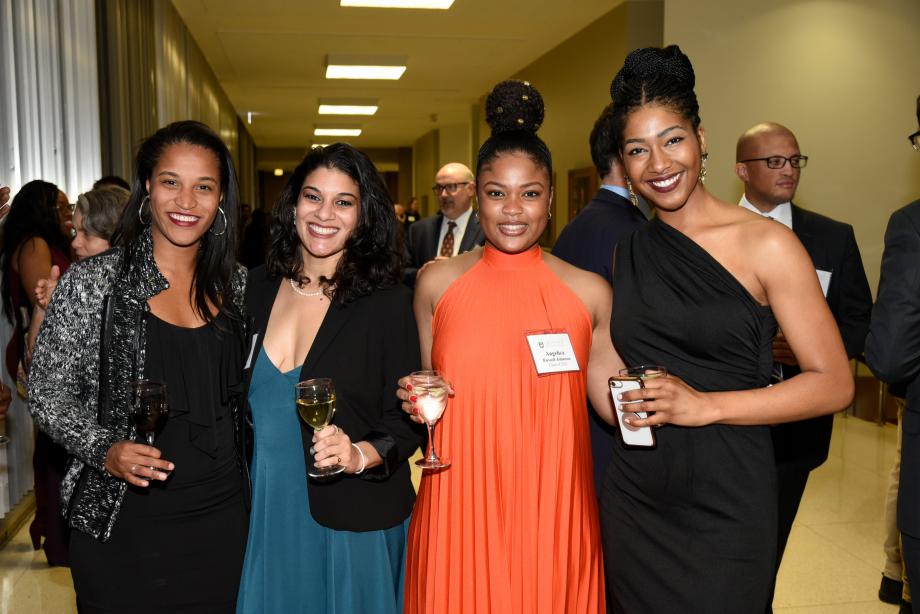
[329, 131]
[365, 67]
[279, 172]
[399, 4]
[347, 106]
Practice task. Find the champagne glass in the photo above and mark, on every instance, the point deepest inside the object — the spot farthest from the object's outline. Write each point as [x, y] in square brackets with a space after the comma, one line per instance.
[148, 407]
[430, 390]
[315, 400]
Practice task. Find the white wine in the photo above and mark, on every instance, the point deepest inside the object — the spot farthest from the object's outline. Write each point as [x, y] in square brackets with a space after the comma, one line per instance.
[431, 402]
[317, 413]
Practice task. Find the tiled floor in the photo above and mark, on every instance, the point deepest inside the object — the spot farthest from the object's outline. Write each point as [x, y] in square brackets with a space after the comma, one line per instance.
[832, 565]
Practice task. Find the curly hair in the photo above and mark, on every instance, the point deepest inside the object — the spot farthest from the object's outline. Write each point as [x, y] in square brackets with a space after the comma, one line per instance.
[33, 214]
[216, 259]
[654, 75]
[373, 254]
[514, 111]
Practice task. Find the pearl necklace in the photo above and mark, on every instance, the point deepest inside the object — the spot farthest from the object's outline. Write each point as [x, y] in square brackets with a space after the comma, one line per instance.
[297, 289]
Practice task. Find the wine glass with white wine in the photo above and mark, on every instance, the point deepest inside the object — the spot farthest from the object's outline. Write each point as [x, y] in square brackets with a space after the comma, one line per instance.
[315, 400]
[431, 392]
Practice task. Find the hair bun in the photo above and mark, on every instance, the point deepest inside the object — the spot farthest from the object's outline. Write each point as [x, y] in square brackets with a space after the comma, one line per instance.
[514, 105]
[653, 63]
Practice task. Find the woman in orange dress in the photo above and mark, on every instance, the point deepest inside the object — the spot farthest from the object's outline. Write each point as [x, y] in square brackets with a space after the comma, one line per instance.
[511, 526]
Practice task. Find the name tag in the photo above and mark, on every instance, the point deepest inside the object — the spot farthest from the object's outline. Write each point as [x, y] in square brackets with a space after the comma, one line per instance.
[824, 278]
[552, 352]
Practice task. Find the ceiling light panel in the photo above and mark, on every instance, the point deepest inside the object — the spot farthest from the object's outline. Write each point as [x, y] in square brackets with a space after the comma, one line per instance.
[334, 131]
[365, 67]
[399, 4]
[347, 106]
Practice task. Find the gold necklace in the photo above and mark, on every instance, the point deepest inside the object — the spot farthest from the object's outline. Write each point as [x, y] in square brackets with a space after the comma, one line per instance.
[297, 289]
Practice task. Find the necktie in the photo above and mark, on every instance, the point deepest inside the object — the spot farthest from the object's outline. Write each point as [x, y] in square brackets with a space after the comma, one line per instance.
[447, 246]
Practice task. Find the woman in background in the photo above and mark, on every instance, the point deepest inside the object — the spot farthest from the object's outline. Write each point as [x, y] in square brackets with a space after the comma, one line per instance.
[329, 304]
[34, 241]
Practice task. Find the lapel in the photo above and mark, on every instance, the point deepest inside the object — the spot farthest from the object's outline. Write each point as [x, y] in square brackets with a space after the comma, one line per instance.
[261, 293]
[431, 238]
[471, 234]
[800, 225]
[336, 317]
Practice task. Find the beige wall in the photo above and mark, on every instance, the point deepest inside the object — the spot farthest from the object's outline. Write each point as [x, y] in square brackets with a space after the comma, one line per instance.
[842, 74]
[574, 79]
[425, 154]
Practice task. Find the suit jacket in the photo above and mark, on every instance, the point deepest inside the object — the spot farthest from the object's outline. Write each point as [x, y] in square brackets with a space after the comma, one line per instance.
[893, 347]
[588, 242]
[365, 347]
[832, 247]
[422, 242]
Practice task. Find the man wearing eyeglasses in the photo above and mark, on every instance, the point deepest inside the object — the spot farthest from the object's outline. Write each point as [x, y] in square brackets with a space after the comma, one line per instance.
[769, 163]
[454, 230]
[893, 354]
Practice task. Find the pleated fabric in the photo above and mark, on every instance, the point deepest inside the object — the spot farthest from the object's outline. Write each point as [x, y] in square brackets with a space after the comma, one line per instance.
[512, 525]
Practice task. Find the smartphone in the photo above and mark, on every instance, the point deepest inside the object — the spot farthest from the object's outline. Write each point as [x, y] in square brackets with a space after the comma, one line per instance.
[644, 436]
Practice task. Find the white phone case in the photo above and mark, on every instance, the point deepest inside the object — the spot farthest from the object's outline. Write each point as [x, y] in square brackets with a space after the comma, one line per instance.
[631, 435]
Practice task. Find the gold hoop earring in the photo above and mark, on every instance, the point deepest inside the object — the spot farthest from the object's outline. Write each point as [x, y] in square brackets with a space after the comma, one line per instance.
[632, 195]
[703, 168]
[224, 229]
[140, 211]
[549, 214]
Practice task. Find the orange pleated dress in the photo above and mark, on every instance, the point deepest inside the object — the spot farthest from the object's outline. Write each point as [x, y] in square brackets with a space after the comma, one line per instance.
[512, 526]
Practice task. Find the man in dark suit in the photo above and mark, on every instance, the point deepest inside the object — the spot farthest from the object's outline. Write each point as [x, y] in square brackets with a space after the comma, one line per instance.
[454, 230]
[893, 354]
[588, 241]
[769, 163]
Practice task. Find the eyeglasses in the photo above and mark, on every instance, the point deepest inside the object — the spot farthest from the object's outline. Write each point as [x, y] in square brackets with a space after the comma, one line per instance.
[780, 161]
[915, 140]
[450, 188]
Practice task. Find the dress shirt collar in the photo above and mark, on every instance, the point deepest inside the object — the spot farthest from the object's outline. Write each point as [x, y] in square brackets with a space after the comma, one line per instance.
[782, 213]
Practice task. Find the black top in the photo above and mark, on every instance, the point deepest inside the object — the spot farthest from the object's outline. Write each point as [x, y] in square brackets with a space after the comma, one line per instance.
[700, 508]
[365, 347]
[893, 347]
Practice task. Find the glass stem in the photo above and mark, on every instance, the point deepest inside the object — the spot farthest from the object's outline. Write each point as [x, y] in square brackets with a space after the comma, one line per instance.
[149, 439]
[432, 455]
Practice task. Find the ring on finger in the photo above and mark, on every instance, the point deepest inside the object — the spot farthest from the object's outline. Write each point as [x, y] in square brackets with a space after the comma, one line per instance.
[133, 467]
[338, 460]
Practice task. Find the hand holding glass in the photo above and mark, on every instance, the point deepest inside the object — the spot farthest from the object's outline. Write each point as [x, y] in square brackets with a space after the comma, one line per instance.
[148, 407]
[315, 400]
[644, 373]
[431, 391]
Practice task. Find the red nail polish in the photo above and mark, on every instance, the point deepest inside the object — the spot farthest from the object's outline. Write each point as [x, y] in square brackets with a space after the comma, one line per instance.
[409, 387]
[413, 398]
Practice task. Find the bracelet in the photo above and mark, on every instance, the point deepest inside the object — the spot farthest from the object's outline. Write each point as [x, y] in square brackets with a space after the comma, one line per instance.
[363, 458]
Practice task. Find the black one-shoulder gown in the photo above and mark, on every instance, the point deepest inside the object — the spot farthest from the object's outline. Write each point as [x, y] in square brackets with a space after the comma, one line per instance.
[690, 526]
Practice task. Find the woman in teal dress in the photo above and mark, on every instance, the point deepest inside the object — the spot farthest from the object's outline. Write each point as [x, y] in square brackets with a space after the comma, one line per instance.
[328, 303]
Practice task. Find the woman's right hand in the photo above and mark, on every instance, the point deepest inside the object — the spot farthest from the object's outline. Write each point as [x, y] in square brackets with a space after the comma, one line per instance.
[45, 287]
[404, 393]
[136, 463]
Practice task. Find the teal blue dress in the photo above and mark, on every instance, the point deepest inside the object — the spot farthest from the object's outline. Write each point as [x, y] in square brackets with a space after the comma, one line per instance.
[293, 564]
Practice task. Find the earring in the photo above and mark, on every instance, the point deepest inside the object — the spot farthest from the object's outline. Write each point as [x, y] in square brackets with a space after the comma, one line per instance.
[140, 211]
[224, 229]
[632, 195]
[703, 168]
[549, 214]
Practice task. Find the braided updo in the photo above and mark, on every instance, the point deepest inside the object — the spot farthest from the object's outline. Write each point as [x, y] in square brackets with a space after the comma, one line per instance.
[654, 75]
[514, 111]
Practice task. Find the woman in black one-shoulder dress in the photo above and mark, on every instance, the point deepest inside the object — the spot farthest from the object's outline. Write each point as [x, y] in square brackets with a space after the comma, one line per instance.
[690, 526]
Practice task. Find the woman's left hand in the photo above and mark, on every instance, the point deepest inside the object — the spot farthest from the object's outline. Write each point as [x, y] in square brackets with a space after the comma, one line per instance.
[332, 446]
[673, 401]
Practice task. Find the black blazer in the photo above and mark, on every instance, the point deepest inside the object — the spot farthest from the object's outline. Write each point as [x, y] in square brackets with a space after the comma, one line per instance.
[832, 247]
[588, 242]
[365, 347]
[422, 242]
[893, 347]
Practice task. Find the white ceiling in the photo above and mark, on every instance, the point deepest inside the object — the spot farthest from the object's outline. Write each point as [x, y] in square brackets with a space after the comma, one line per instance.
[269, 56]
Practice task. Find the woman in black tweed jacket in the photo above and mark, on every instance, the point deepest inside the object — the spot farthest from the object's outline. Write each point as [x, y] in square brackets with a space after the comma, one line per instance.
[155, 528]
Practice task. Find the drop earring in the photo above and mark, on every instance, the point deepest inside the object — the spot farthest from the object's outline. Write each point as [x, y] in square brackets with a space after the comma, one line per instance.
[703, 168]
[632, 195]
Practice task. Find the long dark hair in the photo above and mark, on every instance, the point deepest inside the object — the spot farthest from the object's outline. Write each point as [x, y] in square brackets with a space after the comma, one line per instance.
[373, 255]
[216, 253]
[33, 214]
[654, 75]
